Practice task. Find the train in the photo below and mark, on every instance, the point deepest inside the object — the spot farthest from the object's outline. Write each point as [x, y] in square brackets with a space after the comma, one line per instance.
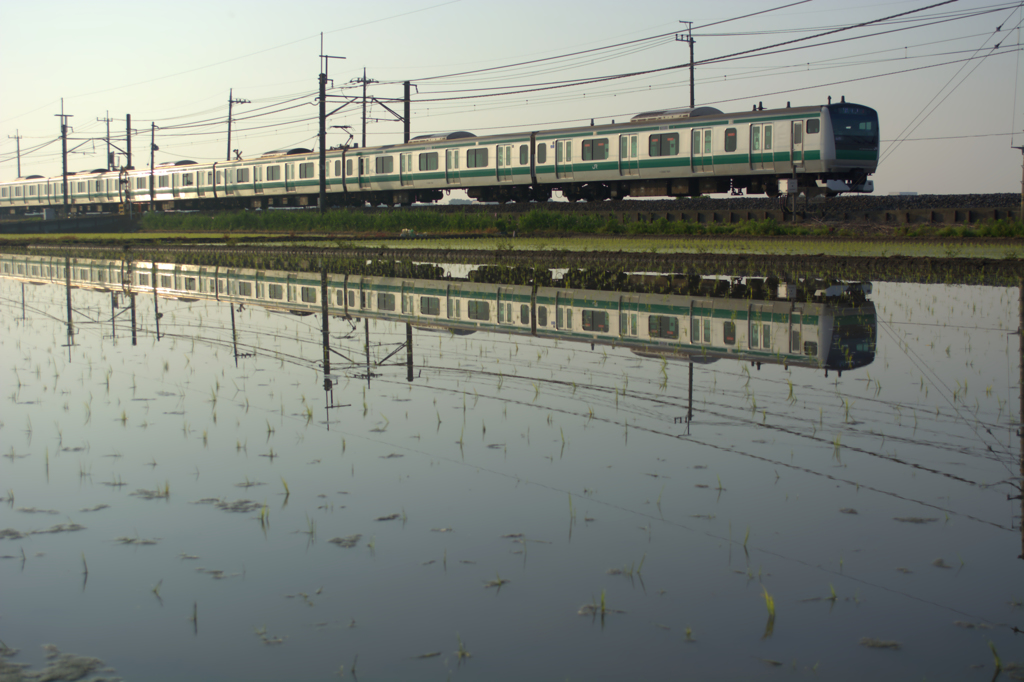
[679, 152]
[820, 325]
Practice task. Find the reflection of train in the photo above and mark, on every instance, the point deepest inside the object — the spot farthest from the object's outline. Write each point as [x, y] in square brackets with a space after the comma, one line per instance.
[677, 152]
[832, 328]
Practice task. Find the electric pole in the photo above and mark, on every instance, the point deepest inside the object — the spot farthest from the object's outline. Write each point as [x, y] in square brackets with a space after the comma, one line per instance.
[1020, 216]
[107, 120]
[231, 102]
[688, 38]
[323, 128]
[17, 142]
[408, 108]
[128, 137]
[365, 81]
[64, 151]
[152, 168]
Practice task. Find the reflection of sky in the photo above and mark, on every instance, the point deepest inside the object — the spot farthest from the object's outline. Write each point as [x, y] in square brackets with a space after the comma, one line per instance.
[496, 433]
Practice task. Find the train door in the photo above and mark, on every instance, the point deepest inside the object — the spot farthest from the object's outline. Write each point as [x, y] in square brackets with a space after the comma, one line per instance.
[797, 144]
[701, 158]
[289, 177]
[629, 153]
[563, 311]
[454, 302]
[451, 167]
[628, 313]
[796, 332]
[504, 163]
[563, 159]
[364, 172]
[257, 179]
[505, 305]
[759, 327]
[408, 290]
[756, 146]
[405, 168]
[175, 184]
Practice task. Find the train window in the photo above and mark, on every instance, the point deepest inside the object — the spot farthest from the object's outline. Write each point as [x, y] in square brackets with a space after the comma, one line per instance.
[810, 347]
[730, 139]
[385, 164]
[478, 310]
[386, 302]
[337, 169]
[164, 181]
[665, 144]
[729, 333]
[242, 175]
[348, 166]
[595, 321]
[245, 288]
[143, 279]
[476, 158]
[186, 180]
[351, 299]
[308, 294]
[524, 314]
[542, 316]
[430, 305]
[273, 173]
[306, 170]
[166, 282]
[813, 126]
[663, 327]
[289, 171]
[81, 188]
[191, 284]
[542, 152]
[524, 154]
[798, 130]
[32, 190]
[700, 330]
[275, 291]
[595, 150]
[428, 162]
[795, 340]
[3, 193]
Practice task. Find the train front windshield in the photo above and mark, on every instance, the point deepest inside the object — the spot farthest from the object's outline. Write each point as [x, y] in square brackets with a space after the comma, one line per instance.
[855, 127]
[854, 334]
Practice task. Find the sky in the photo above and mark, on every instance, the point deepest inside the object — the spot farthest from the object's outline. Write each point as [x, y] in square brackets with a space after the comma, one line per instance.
[949, 100]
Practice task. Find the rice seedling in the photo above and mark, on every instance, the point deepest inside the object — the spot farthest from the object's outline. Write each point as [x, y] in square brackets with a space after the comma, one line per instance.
[769, 603]
[285, 484]
[995, 657]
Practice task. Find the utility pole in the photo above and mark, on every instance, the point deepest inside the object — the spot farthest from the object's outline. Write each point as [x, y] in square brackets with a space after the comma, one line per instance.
[688, 38]
[152, 168]
[365, 81]
[323, 125]
[231, 102]
[64, 152]
[17, 142]
[107, 120]
[408, 109]
[1020, 216]
[128, 137]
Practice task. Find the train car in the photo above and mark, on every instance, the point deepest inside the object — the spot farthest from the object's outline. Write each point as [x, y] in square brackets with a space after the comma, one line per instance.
[834, 327]
[673, 152]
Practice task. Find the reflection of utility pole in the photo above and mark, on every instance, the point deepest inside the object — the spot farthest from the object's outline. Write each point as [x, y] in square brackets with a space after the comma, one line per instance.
[366, 326]
[689, 408]
[325, 324]
[408, 352]
[1020, 423]
[67, 274]
[131, 298]
[113, 315]
[156, 305]
[688, 38]
[22, 301]
[234, 336]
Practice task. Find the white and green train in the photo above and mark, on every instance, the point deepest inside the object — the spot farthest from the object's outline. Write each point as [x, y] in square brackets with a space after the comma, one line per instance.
[675, 152]
[834, 328]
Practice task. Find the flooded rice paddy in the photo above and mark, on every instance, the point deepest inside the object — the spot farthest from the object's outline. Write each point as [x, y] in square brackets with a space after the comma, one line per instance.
[195, 505]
